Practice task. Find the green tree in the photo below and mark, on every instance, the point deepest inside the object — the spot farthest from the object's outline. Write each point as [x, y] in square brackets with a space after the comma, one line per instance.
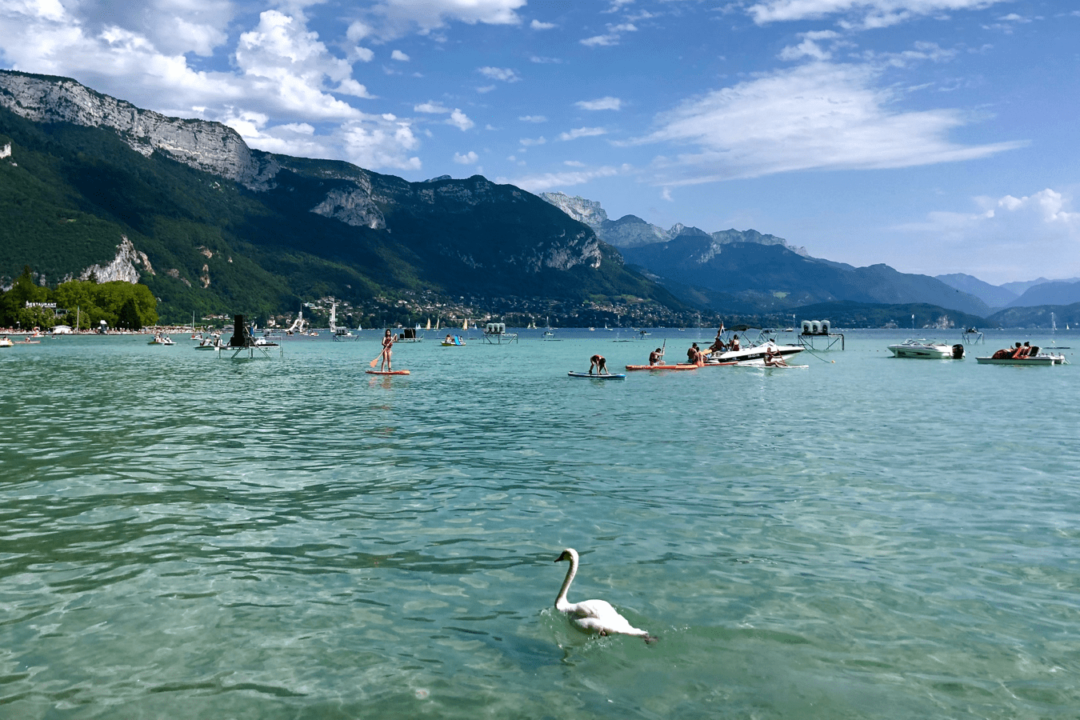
[129, 316]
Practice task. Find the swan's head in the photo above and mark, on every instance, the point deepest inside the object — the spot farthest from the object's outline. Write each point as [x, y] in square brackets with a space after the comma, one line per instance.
[568, 554]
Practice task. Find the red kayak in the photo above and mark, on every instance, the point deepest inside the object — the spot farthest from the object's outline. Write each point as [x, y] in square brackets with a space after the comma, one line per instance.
[387, 372]
[680, 366]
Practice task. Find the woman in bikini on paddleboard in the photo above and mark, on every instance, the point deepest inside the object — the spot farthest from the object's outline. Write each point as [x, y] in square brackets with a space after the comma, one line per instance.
[387, 346]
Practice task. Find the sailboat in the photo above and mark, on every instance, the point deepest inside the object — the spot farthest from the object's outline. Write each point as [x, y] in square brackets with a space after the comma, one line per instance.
[465, 325]
[428, 326]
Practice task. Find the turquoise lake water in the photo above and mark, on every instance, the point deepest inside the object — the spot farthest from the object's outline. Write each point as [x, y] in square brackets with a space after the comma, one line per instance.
[183, 536]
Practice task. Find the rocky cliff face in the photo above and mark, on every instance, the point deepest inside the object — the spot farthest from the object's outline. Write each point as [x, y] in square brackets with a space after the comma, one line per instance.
[208, 146]
[582, 210]
[123, 266]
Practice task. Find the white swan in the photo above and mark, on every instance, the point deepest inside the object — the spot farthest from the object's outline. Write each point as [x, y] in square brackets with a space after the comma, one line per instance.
[594, 616]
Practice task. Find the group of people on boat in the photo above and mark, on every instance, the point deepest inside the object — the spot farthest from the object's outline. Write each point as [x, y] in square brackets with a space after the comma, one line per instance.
[1016, 353]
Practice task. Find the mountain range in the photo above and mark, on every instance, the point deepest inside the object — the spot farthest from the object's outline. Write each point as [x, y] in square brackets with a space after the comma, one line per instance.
[97, 187]
[1030, 293]
[92, 187]
[752, 272]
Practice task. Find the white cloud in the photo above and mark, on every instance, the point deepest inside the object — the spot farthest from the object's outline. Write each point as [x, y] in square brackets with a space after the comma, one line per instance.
[533, 119]
[604, 103]
[430, 107]
[460, 120]
[399, 56]
[362, 54]
[611, 37]
[530, 142]
[503, 74]
[1006, 238]
[469, 158]
[537, 25]
[394, 18]
[485, 89]
[540, 60]
[817, 116]
[573, 163]
[809, 46]
[867, 13]
[283, 58]
[378, 144]
[548, 181]
[582, 132]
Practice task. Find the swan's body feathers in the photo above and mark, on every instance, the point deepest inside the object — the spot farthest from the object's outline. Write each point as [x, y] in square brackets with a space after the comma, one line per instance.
[594, 616]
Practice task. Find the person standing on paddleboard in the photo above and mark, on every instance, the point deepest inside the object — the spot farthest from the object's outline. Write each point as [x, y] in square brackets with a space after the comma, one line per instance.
[387, 345]
[600, 363]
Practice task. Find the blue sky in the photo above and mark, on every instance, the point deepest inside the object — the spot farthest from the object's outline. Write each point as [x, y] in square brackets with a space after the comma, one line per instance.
[933, 135]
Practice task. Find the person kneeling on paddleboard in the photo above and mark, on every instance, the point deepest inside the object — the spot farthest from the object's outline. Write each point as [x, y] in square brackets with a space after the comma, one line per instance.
[656, 357]
[600, 363]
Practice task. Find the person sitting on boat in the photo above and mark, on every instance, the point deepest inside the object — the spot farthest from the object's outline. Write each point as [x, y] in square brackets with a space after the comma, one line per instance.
[735, 345]
[1018, 352]
[600, 363]
[1027, 349]
[773, 358]
[449, 340]
[387, 351]
[692, 354]
[656, 357]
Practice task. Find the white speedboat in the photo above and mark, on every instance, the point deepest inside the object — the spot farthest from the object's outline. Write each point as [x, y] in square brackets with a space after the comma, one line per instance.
[160, 339]
[755, 352]
[927, 350]
[6, 342]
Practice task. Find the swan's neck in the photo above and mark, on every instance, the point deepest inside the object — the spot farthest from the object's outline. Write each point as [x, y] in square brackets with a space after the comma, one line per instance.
[560, 601]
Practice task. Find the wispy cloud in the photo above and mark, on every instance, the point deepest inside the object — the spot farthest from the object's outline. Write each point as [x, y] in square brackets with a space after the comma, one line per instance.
[816, 116]
[399, 56]
[861, 14]
[537, 25]
[582, 132]
[555, 180]
[469, 158]
[533, 118]
[502, 74]
[604, 103]
[430, 107]
[611, 37]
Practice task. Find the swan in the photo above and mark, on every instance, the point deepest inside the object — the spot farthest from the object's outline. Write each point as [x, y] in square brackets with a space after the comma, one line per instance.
[593, 616]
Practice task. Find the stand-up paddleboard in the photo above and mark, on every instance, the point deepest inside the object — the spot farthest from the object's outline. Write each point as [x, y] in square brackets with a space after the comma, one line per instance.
[680, 366]
[387, 372]
[596, 376]
[719, 364]
[759, 363]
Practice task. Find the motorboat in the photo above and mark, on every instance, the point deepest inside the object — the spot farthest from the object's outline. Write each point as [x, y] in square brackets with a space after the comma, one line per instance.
[927, 350]
[6, 342]
[160, 339]
[752, 352]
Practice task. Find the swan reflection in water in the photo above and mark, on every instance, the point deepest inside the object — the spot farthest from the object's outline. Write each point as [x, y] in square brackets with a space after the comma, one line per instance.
[593, 616]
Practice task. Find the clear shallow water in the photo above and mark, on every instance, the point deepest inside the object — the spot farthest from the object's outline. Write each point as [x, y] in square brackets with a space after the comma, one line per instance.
[187, 537]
